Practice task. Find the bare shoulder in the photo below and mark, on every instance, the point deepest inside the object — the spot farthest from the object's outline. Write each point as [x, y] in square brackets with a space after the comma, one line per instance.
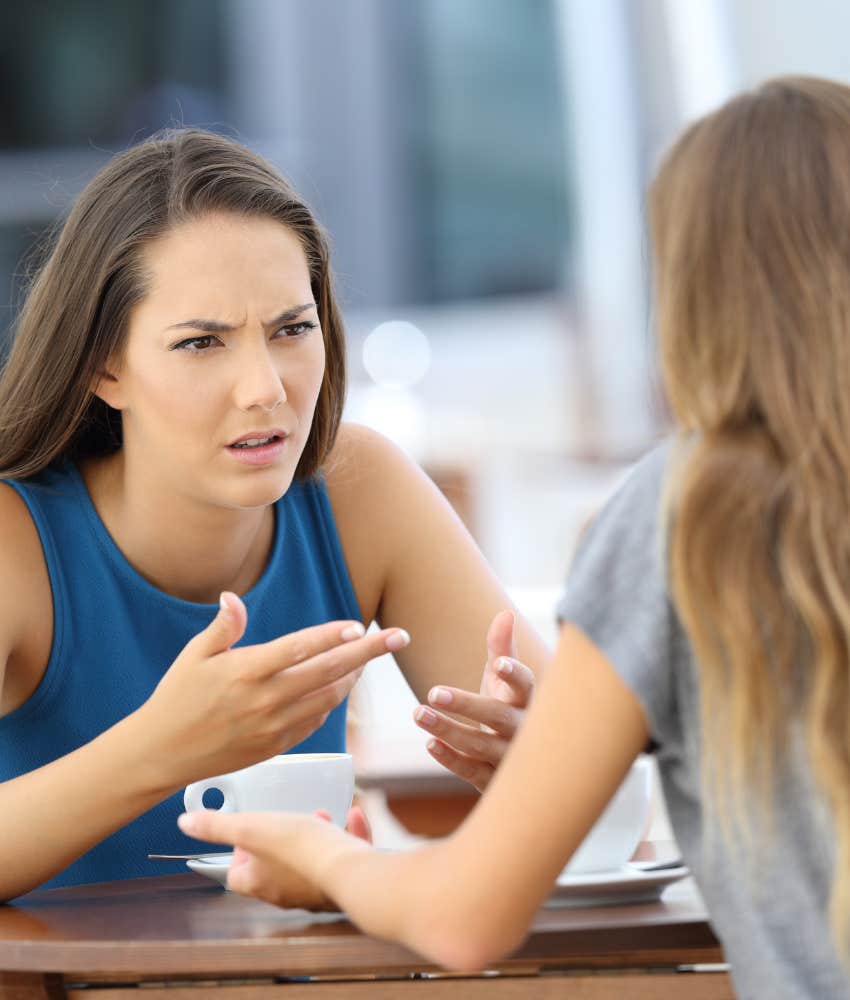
[363, 461]
[26, 613]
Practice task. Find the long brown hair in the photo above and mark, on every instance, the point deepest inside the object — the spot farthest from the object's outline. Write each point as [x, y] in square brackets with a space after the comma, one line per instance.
[76, 311]
[750, 217]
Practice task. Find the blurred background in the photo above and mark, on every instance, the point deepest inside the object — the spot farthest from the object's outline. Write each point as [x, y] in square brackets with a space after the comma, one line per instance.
[480, 166]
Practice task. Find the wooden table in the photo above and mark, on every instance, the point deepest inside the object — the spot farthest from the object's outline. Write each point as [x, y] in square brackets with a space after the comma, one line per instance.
[184, 937]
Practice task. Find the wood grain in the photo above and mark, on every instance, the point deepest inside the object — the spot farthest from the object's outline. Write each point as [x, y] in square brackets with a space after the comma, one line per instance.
[634, 985]
[183, 925]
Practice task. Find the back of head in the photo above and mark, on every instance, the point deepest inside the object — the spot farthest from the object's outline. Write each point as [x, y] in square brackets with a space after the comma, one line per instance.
[750, 217]
[77, 309]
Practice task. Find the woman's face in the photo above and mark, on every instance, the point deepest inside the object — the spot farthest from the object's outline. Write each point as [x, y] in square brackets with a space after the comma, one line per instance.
[223, 362]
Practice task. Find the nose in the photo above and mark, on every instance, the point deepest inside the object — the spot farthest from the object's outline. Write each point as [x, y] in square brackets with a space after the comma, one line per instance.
[259, 384]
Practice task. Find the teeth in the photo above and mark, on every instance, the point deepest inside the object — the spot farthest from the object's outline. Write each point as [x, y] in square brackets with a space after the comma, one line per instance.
[254, 442]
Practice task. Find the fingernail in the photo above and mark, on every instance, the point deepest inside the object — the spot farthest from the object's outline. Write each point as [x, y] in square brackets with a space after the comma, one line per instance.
[505, 667]
[355, 631]
[398, 640]
[425, 715]
[435, 747]
[222, 603]
[440, 696]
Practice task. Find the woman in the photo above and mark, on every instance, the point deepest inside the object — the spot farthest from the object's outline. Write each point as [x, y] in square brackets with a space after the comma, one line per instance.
[169, 440]
[708, 611]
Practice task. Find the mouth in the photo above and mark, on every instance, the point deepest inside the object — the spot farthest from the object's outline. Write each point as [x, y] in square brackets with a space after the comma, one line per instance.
[258, 439]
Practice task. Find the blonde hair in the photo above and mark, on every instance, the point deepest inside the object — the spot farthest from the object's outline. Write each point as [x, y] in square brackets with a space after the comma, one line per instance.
[750, 218]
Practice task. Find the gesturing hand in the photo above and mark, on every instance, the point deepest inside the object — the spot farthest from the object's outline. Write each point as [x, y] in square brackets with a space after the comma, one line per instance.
[220, 707]
[473, 749]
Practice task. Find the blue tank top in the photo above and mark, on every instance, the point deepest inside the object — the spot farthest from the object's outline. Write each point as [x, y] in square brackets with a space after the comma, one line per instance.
[115, 635]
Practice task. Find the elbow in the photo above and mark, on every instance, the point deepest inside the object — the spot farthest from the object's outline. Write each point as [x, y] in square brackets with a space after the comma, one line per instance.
[467, 945]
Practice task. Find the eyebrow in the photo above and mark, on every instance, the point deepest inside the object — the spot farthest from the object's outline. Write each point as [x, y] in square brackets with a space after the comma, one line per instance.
[213, 326]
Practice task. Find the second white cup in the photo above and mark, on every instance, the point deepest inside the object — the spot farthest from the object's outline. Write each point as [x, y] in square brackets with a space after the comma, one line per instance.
[615, 835]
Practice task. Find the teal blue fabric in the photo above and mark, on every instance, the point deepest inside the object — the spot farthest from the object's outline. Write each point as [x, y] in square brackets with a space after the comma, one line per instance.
[115, 635]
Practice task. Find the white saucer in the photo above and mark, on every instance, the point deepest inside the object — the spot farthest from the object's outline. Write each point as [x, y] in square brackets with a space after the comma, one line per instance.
[217, 869]
[214, 868]
[626, 885]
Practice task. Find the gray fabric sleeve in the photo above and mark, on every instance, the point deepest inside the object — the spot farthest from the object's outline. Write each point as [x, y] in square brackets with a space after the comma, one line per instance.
[616, 593]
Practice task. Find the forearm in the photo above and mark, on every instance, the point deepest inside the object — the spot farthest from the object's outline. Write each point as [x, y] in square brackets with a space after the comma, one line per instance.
[428, 899]
[51, 816]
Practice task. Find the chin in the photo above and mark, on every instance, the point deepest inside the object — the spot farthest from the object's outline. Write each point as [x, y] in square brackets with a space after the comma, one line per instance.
[261, 489]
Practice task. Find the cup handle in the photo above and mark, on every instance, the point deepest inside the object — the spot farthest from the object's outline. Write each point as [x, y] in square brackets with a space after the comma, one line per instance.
[193, 796]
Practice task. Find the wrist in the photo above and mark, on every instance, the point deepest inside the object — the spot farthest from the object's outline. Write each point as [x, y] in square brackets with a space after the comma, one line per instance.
[151, 771]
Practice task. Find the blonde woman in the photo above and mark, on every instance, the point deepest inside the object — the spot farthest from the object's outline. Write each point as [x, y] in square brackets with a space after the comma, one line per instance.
[708, 612]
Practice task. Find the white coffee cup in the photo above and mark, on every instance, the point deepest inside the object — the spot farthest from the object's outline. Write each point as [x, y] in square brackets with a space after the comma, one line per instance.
[615, 835]
[299, 782]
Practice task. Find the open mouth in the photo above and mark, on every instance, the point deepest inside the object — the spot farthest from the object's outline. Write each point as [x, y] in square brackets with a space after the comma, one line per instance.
[257, 442]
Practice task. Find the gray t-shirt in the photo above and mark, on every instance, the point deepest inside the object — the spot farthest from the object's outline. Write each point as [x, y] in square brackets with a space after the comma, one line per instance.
[770, 916]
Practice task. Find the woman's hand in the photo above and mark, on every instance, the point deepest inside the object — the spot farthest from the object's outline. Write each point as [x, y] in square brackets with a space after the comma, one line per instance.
[473, 749]
[218, 709]
[275, 854]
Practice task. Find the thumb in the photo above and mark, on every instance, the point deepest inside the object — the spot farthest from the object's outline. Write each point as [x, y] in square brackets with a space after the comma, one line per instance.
[226, 628]
[501, 640]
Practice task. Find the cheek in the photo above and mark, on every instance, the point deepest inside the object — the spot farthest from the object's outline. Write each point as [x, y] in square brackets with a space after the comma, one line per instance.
[178, 398]
[303, 389]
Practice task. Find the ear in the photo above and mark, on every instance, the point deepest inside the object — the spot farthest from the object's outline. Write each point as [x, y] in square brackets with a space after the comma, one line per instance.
[106, 385]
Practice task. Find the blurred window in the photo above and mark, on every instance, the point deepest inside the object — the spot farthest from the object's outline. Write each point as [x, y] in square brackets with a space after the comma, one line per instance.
[493, 177]
[89, 71]
[429, 134]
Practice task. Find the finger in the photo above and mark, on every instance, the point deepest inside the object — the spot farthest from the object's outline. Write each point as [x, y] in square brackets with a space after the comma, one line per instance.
[225, 629]
[311, 710]
[493, 712]
[240, 857]
[325, 643]
[501, 639]
[290, 733]
[472, 741]
[336, 664]
[358, 825]
[295, 647]
[517, 680]
[475, 772]
[256, 833]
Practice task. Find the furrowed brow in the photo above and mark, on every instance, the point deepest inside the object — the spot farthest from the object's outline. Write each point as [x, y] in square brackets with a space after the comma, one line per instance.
[290, 314]
[213, 326]
[205, 325]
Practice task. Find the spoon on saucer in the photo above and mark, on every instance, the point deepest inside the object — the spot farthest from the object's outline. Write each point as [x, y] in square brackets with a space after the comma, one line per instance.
[190, 857]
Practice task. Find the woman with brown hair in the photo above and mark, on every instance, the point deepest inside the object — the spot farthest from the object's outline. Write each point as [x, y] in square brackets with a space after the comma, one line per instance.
[169, 440]
[707, 615]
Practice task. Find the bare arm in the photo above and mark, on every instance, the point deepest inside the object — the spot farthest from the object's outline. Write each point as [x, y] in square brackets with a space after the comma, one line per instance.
[414, 563]
[584, 729]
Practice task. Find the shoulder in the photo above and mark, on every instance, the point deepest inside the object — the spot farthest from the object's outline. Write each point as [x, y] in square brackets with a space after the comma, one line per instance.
[24, 580]
[364, 464]
[621, 562]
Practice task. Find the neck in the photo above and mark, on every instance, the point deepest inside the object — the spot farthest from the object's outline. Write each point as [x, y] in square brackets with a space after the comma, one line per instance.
[185, 548]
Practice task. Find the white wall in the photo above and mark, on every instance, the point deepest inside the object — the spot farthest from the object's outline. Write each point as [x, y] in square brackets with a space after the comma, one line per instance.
[791, 36]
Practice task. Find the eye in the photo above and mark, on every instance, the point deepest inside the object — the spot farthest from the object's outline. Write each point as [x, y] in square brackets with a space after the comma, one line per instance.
[295, 330]
[195, 345]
